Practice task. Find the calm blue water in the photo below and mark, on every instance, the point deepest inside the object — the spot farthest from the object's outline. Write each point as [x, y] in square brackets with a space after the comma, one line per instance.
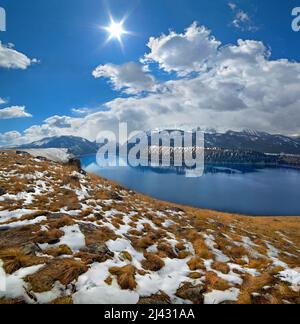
[235, 189]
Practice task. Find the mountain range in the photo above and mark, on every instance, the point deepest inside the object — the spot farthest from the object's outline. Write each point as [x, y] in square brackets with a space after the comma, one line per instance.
[261, 142]
[77, 146]
[252, 140]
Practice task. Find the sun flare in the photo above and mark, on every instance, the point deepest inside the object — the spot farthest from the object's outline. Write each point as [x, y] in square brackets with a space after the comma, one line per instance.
[116, 30]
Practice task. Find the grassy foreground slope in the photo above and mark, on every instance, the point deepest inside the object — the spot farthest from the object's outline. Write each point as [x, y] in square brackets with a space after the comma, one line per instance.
[71, 237]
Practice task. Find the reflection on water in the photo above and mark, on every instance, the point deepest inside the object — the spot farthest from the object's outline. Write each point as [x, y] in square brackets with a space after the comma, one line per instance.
[242, 189]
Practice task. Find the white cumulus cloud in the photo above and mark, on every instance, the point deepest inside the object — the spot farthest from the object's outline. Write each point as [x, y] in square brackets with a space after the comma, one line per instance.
[10, 138]
[130, 78]
[183, 53]
[14, 112]
[242, 19]
[2, 101]
[242, 86]
[12, 59]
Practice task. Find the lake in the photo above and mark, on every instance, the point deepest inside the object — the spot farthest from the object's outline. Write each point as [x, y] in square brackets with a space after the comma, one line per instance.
[239, 189]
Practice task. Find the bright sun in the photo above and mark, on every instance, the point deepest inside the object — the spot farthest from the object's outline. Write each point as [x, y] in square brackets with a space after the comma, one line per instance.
[116, 30]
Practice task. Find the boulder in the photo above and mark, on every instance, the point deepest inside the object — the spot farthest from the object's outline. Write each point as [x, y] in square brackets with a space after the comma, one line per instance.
[190, 292]
[30, 248]
[2, 191]
[22, 153]
[75, 163]
[115, 196]
[158, 299]
[98, 248]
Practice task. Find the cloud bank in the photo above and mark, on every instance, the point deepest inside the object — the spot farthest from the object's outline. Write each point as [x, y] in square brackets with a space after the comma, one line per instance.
[14, 112]
[212, 85]
[130, 78]
[12, 59]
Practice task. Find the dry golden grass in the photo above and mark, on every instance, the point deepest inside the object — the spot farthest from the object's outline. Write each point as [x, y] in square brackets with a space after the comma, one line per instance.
[159, 299]
[48, 236]
[201, 249]
[109, 280]
[67, 300]
[63, 270]
[180, 246]
[213, 282]
[187, 291]
[16, 238]
[125, 276]
[11, 301]
[59, 221]
[195, 275]
[221, 267]
[64, 198]
[89, 258]
[190, 224]
[59, 251]
[126, 256]
[14, 259]
[237, 252]
[196, 263]
[166, 250]
[95, 234]
[254, 285]
[143, 242]
[152, 262]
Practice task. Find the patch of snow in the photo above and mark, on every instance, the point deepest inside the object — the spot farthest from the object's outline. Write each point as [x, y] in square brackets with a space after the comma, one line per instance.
[49, 296]
[13, 286]
[25, 222]
[168, 279]
[91, 288]
[6, 215]
[73, 238]
[232, 277]
[210, 242]
[291, 276]
[218, 297]
[52, 154]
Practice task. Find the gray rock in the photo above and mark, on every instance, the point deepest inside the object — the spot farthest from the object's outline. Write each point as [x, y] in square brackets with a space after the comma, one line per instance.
[98, 248]
[115, 196]
[158, 299]
[53, 242]
[22, 153]
[30, 248]
[4, 228]
[2, 192]
[192, 293]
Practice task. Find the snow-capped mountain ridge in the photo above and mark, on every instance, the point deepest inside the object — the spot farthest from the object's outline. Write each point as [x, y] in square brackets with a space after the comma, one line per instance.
[244, 140]
[75, 145]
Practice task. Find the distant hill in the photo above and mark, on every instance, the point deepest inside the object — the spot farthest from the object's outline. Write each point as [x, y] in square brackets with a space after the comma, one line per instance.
[75, 145]
[250, 140]
[260, 142]
[253, 140]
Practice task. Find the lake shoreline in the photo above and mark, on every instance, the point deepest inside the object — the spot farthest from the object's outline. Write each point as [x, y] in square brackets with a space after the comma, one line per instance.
[230, 191]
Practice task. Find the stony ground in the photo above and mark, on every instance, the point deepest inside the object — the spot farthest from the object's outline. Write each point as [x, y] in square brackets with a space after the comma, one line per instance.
[71, 237]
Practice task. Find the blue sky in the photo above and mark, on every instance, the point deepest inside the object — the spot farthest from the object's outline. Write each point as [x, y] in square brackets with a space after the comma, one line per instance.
[66, 38]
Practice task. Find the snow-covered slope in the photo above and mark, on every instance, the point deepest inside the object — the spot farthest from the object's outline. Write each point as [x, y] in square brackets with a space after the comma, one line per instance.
[71, 237]
[75, 145]
[53, 154]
